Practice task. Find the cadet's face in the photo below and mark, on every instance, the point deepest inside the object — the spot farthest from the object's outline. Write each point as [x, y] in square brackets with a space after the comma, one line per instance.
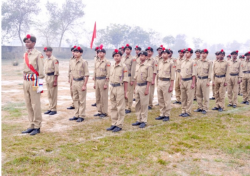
[159, 51]
[234, 56]
[72, 53]
[165, 55]
[198, 54]
[122, 51]
[188, 54]
[77, 54]
[117, 57]
[228, 58]
[127, 51]
[248, 57]
[181, 54]
[204, 55]
[48, 53]
[101, 54]
[221, 56]
[137, 51]
[142, 57]
[217, 57]
[29, 44]
[150, 53]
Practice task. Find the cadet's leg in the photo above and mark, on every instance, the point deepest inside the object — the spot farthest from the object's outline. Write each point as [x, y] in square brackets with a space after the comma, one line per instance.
[235, 90]
[138, 103]
[104, 97]
[177, 87]
[213, 90]
[199, 93]
[49, 93]
[144, 104]
[217, 87]
[120, 101]
[167, 99]
[54, 91]
[36, 105]
[190, 97]
[113, 100]
[230, 90]
[183, 97]
[222, 95]
[26, 90]
[248, 89]
[98, 95]
[160, 97]
[82, 99]
[130, 96]
[205, 95]
[71, 94]
[76, 98]
[151, 95]
[195, 89]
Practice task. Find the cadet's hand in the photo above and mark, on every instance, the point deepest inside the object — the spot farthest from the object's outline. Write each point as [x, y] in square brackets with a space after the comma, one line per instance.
[239, 81]
[170, 89]
[225, 84]
[125, 96]
[213, 84]
[146, 92]
[83, 88]
[208, 84]
[68, 81]
[105, 86]
[131, 83]
[55, 84]
[94, 86]
[192, 86]
[153, 82]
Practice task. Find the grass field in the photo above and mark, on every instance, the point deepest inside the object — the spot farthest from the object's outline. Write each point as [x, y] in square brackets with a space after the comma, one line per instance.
[212, 144]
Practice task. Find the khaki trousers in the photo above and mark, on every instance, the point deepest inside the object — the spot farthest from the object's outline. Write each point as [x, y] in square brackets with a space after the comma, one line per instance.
[220, 91]
[246, 88]
[151, 95]
[240, 89]
[232, 90]
[141, 106]
[213, 90]
[187, 96]
[164, 97]
[177, 87]
[79, 98]
[117, 105]
[101, 96]
[195, 89]
[33, 104]
[202, 94]
[130, 93]
[71, 93]
[52, 92]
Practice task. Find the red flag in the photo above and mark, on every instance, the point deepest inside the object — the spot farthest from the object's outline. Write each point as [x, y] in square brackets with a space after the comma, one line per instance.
[93, 36]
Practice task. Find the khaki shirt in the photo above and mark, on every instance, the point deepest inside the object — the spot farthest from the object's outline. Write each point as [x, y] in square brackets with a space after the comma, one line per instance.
[204, 68]
[245, 67]
[138, 60]
[51, 65]
[79, 68]
[178, 63]
[102, 68]
[221, 68]
[36, 60]
[95, 58]
[130, 62]
[152, 63]
[166, 69]
[157, 59]
[143, 73]
[235, 67]
[69, 71]
[188, 68]
[118, 74]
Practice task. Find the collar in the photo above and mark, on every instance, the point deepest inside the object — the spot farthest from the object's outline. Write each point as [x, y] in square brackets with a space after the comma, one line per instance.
[203, 60]
[103, 60]
[128, 56]
[142, 63]
[30, 51]
[120, 64]
[166, 61]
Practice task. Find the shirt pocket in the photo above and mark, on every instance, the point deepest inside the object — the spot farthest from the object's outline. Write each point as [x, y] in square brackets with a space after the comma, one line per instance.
[236, 69]
[102, 67]
[205, 69]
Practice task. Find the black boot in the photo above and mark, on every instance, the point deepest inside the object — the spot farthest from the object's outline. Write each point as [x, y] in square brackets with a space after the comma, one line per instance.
[80, 119]
[35, 131]
[71, 107]
[136, 124]
[29, 130]
[73, 118]
[166, 118]
[47, 112]
[52, 113]
[111, 128]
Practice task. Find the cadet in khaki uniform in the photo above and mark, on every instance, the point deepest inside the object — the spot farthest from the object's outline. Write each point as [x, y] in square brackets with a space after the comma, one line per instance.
[187, 83]
[80, 76]
[157, 59]
[143, 77]
[118, 87]
[166, 77]
[246, 79]
[95, 58]
[137, 51]
[150, 61]
[51, 66]
[220, 81]
[178, 63]
[33, 74]
[122, 49]
[234, 80]
[198, 56]
[130, 62]
[69, 78]
[228, 57]
[101, 82]
[241, 59]
[213, 86]
[204, 76]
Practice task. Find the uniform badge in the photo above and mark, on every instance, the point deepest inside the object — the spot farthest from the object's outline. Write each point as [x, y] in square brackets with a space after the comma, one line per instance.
[41, 56]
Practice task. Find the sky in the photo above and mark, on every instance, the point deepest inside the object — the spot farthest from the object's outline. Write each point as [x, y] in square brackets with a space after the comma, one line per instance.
[214, 21]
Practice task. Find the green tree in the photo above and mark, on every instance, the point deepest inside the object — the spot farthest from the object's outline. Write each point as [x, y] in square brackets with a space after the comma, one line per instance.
[67, 17]
[17, 18]
[168, 40]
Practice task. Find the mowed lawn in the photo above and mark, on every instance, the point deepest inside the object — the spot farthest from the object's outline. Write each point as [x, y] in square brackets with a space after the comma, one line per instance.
[212, 144]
